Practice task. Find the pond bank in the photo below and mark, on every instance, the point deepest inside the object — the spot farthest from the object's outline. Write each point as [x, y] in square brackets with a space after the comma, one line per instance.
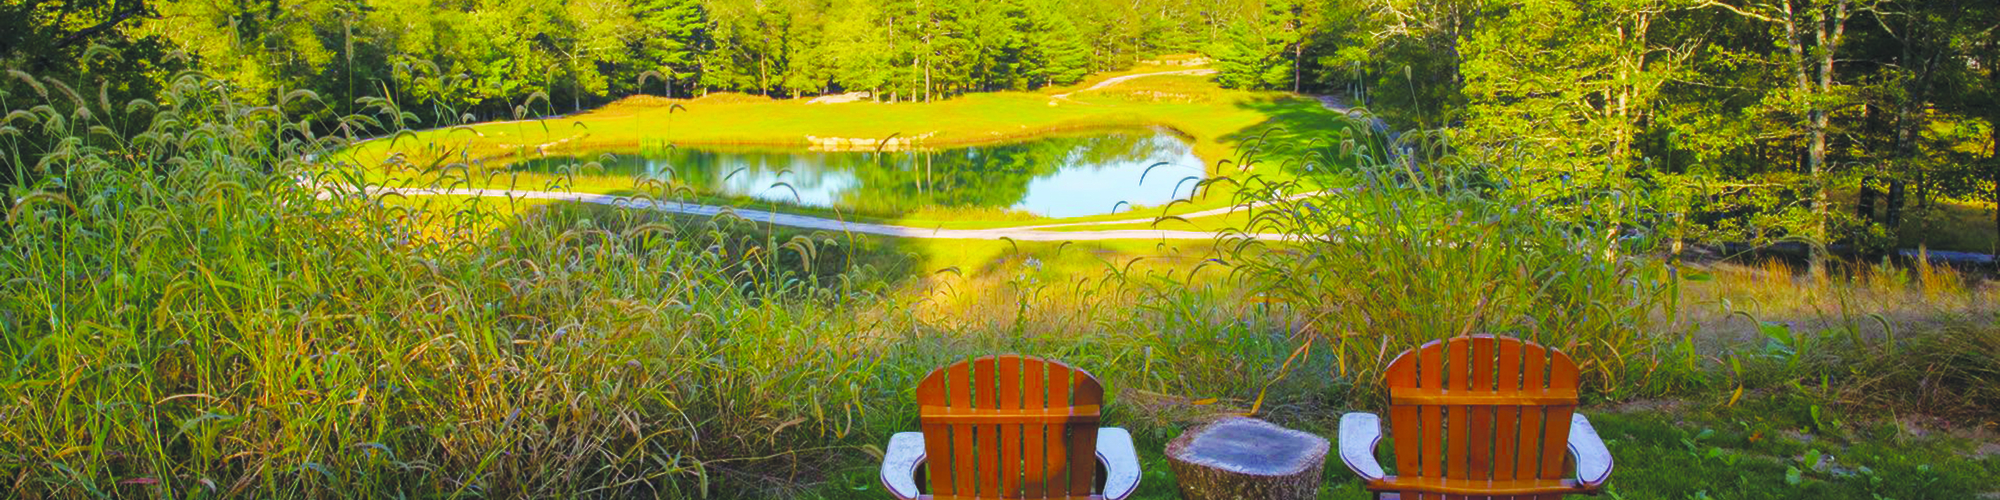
[1030, 233]
[1217, 123]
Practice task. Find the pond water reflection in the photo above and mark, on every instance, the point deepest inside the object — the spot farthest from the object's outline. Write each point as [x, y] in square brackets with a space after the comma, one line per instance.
[1054, 177]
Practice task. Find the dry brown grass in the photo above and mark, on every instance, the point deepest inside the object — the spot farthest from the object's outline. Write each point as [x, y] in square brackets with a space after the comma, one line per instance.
[1726, 301]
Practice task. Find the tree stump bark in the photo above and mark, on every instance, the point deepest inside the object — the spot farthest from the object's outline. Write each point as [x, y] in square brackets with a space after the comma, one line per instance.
[1241, 458]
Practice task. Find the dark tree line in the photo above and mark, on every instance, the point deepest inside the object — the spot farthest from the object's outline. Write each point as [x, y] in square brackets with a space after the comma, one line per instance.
[485, 57]
[1828, 120]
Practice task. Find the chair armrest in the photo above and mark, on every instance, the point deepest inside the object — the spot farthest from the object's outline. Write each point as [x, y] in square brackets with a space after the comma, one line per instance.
[1359, 433]
[1593, 461]
[899, 464]
[1121, 462]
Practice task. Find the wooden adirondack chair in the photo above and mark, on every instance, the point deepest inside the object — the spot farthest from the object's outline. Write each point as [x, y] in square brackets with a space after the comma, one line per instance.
[1011, 427]
[1479, 417]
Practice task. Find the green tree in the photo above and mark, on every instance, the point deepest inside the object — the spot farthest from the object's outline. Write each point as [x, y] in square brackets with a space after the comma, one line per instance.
[859, 47]
[1812, 34]
[1567, 83]
[1058, 55]
[670, 38]
[807, 66]
[995, 41]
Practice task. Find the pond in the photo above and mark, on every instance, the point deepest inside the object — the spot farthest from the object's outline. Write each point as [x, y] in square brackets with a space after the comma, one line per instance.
[1052, 177]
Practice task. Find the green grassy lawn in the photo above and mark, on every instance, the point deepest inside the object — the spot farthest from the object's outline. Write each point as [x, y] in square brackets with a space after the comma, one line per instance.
[1766, 446]
[1786, 439]
[1222, 126]
[1964, 226]
[1218, 222]
[1946, 224]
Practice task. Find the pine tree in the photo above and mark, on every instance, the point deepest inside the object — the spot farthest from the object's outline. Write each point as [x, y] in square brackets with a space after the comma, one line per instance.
[1056, 53]
[1264, 50]
[994, 36]
[1241, 57]
[671, 37]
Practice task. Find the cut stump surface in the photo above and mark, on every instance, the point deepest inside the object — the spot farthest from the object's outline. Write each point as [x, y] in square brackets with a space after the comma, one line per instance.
[1245, 458]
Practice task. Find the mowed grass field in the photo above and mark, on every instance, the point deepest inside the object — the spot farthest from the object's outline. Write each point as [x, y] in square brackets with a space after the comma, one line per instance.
[1225, 127]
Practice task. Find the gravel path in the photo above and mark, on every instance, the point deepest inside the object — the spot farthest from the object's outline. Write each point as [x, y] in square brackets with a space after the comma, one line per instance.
[811, 222]
[1122, 79]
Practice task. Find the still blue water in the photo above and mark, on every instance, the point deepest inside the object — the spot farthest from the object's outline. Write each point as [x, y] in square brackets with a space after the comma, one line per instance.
[1053, 177]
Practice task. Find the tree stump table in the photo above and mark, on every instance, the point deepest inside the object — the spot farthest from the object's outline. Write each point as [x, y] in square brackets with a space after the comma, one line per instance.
[1241, 458]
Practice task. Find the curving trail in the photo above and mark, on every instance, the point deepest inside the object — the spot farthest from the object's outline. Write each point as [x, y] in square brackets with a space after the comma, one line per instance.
[1122, 79]
[822, 223]
[1189, 215]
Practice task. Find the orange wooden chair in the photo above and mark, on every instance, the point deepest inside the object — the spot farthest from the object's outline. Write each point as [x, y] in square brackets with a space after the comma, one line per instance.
[1011, 427]
[1479, 417]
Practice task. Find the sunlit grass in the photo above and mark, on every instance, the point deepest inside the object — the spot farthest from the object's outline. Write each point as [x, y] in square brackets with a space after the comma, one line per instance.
[1730, 299]
[1965, 226]
[1223, 125]
[182, 316]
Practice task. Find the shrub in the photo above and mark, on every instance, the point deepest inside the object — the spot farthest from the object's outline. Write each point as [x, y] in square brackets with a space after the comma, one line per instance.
[1390, 255]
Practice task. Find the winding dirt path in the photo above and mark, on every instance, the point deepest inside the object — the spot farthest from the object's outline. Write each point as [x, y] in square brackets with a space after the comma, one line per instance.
[1122, 79]
[822, 223]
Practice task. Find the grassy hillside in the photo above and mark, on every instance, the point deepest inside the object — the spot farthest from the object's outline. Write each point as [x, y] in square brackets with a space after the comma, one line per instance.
[184, 319]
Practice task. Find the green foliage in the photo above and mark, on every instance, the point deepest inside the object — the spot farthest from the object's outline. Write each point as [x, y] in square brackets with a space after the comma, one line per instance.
[1827, 122]
[496, 54]
[672, 36]
[191, 305]
[1264, 51]
[201, 309]
[182, 298]
[1394, 256]
[1055, 51]
[1558, 80]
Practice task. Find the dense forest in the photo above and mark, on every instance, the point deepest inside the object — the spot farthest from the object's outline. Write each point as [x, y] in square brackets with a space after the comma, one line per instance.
[1830, 121]
[1819, 120]
[402, 248]
[487, 56]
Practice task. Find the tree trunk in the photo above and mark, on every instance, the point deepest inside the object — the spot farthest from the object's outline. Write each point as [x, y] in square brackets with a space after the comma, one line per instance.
[1816, 159]
[1298, 52]
[1864, 204]
[1993, 152]
[1827, 30]
[1244, 458]
[1910, 113]
[1893, 214]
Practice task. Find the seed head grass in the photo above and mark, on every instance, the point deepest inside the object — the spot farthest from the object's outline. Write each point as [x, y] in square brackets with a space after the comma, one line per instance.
[215, 305]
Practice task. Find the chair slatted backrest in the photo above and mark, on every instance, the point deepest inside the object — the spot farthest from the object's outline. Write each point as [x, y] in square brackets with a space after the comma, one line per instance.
[1010, 427]
[1481, 408]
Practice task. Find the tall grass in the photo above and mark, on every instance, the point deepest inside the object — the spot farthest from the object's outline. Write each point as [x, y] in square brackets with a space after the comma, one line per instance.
[182, 316]
[1397, 254]
[1907, 338]
[198, 309]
